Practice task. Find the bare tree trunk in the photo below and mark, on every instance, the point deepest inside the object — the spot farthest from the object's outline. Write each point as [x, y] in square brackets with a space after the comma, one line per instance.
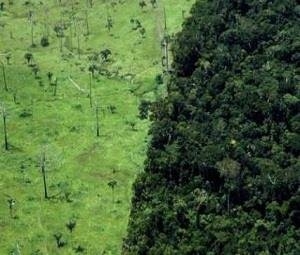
[55, 88]
[167, 52]
[166, 41]
[76, 27]
[5, 129]
[165, 19]
[43, 169]
[32, 42]
[4, 76]
[97, 121]
[87, 23]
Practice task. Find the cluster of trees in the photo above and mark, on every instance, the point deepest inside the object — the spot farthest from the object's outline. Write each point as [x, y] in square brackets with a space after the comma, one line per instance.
[222, 174]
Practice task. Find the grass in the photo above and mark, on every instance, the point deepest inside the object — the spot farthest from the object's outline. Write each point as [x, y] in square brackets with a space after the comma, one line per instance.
[79, 165]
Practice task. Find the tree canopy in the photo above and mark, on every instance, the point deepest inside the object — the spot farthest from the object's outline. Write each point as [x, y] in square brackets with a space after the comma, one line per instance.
[222, 172]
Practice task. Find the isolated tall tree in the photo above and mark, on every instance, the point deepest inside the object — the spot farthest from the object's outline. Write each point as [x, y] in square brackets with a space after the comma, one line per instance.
[91, 3]
[97, 121]
[32, 23]
[112, 184]
[2, 6]
[109, 23]
[105, 54]
[54, 83]
[59, 30]
[87, 23]
[28, 57]
[71, 225]
[35, 70]
[90, 89]
[142, 4]
[166, 41]
[76, 27]
[153, 3]
[142, 32]
[4, 115]
[49, 75]
[11, 203]
[4, 76]
[43, 171]
[8, 57]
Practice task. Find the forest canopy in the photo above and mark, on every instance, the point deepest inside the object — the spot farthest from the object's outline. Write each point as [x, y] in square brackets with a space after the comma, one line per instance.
[222, 172]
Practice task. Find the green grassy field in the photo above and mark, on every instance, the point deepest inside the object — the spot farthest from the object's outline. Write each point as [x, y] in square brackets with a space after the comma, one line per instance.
[79, 165]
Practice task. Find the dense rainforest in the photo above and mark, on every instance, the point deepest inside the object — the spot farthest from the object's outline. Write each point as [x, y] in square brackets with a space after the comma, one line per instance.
[222, 172]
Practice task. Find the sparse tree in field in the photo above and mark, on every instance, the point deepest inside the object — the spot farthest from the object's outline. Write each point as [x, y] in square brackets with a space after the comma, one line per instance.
[132, 124]
[142, 32]
[46, 22]
[4, 116]
[54, 84]
[32, 23]
[97, 121]
[59, 30]
[4, 76]
[109, 23]
[8, 57]
[153, 3]
[71, 225]
[43, 171]
[35, 70]
[44, 41]
[165, 45]
[90, 89]
[105, 54]
[142, 4]
[90, 3]
[49, 75]
[87, 23]
[79, 249]
[112, 184]
[60, 242]
[11, 204]
[92, 68]
[76, 26]
[165, 19]
[183, 13]
[15, 96]
[2, 6]
[28, 57]
[136, 24]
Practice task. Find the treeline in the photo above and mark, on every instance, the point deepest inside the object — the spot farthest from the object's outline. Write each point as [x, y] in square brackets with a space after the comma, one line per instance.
[222, 172]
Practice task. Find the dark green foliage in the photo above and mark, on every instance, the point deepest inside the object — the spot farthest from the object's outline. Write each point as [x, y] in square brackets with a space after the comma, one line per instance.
[2, 4]
[71, 225]
[60, 242]
[144, 109]
[44, 41]
[159, 79]
[222, 172]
